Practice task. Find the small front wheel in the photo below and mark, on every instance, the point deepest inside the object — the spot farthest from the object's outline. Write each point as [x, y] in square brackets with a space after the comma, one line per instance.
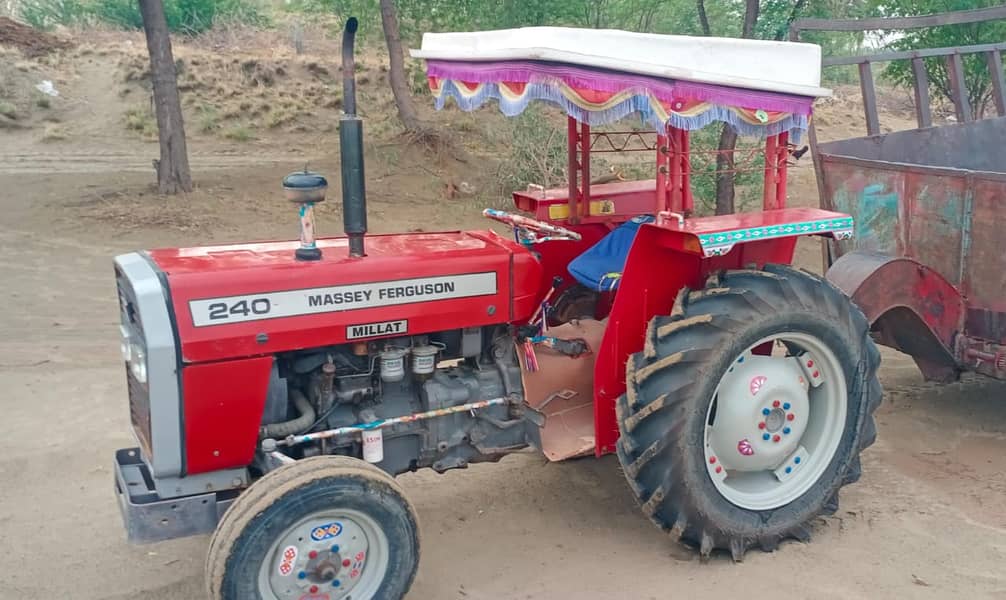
[326, 527]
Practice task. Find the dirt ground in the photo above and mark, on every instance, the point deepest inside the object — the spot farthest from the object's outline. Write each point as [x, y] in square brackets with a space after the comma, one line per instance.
[927, 520]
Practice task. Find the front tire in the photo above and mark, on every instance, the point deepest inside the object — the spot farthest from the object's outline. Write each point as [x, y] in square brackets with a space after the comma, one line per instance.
[748, 408]
[329, 527]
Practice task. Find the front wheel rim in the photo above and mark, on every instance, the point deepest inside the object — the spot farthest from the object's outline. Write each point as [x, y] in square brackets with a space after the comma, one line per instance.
[775, 421]
[335, 554]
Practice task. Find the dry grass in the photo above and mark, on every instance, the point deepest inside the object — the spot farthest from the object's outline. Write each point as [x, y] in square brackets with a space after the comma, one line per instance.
[55, 132]
[239, 133]
[258, 84]
[142, 121]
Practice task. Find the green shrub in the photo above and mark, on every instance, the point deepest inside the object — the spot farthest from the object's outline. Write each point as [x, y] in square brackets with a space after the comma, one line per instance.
[46, 14]
[239, 133]
[124, 14]
[142, 121]
[537, 152]
[749, 162]
[183, 16]
[208, 118]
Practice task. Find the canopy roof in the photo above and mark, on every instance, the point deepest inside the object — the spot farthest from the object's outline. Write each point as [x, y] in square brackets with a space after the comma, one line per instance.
[600, 76]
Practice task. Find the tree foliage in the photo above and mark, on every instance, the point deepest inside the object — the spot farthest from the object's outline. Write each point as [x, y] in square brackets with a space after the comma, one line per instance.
[183, 16]
[976, 73]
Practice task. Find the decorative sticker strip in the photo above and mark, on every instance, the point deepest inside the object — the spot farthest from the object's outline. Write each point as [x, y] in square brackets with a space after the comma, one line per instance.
[721, 242]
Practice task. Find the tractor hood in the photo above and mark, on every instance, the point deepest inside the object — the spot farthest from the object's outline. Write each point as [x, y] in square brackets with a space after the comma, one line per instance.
[254, 299]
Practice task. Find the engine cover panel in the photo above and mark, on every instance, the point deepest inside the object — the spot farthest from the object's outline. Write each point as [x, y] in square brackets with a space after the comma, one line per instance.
[254, 299]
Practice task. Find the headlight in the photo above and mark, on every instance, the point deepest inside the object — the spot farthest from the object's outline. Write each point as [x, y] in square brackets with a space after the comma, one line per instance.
[138, 362]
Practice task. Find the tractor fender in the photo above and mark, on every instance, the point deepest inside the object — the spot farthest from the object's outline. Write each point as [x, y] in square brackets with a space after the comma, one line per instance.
[660, 263]
[663, 260]
[910, 306]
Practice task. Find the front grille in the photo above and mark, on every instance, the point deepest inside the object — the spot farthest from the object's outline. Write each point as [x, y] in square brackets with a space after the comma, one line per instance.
[139, 411]
[139, 394]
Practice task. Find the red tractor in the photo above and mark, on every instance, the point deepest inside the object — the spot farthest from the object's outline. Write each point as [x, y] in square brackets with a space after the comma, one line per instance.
[276, 388]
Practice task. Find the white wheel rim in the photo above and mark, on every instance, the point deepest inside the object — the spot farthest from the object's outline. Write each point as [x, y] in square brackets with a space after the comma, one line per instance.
[335, 554]
[775, 421]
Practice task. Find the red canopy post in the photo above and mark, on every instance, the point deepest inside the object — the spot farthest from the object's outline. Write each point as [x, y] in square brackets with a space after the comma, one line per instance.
[663, 169]
[578, 144]
[573, 170]
[776, 153]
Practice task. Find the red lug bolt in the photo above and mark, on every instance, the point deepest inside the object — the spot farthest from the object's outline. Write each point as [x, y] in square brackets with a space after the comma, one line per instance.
[314, 589]
[761, 425]
[816, 374]
[719, 469]
[810, 363]
[775, 404]
[313, 554]
[345, 562]
[712, 460]
[776, 438]
[790, 417]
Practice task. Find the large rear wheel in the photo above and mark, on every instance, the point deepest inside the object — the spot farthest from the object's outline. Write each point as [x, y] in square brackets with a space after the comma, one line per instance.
[328, 527]
[748, 408]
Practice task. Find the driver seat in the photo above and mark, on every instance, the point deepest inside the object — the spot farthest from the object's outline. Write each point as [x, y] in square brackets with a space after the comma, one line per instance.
[600, 267]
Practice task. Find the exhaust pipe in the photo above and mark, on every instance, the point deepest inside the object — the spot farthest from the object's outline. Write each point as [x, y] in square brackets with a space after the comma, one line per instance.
[354, 194]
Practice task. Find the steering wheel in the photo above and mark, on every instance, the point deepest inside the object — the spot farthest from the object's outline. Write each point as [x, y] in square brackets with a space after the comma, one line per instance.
[531, 231]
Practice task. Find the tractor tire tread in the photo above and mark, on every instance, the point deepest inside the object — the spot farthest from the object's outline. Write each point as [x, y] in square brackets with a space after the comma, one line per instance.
[662, 387]
[277, 484]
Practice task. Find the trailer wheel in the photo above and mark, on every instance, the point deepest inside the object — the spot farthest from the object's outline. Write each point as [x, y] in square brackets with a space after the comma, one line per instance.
[326, 527]
[748, 408]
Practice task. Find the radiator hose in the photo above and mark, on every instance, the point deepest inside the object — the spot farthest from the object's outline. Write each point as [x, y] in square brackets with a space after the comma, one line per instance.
[293, 426]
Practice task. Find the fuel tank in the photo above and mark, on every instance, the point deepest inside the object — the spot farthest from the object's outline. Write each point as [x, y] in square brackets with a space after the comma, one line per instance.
[253, 299]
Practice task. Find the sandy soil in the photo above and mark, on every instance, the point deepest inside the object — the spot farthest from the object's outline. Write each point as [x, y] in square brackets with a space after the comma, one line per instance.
[928, 519]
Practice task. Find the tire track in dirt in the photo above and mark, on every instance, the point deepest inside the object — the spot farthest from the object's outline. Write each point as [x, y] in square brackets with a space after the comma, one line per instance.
[62, 163]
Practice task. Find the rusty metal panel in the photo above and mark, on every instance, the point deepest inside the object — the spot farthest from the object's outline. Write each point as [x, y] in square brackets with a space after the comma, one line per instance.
[964, 146]
[985, 255]
[934, 208]
[873, 197]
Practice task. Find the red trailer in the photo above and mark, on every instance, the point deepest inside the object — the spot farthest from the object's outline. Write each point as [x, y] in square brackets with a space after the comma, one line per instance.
[928, 265]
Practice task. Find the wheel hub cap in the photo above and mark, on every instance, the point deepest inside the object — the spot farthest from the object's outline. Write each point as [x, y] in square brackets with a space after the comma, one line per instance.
[326, 557]
[764, 413]
[775, 421]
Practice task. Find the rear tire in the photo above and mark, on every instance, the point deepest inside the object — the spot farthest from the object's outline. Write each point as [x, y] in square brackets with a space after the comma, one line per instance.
[331, 524]
[685, 389]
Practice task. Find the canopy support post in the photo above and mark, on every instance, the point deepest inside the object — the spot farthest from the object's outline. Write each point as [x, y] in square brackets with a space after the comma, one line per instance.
[578, 140]
[781, 175]
[776, 153]
[573, 170]
[663, 160]
[674, 191]
[585, 168]
[687, 201]
[675, 199]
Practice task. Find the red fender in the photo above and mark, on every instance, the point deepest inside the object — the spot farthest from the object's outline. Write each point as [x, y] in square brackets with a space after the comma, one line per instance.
[912, 307]
[662, 261]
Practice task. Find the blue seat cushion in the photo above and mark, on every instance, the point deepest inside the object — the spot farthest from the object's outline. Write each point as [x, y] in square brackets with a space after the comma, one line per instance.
[600, 266]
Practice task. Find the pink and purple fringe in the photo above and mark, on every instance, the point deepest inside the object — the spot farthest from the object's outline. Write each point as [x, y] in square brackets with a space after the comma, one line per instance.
[541, 77]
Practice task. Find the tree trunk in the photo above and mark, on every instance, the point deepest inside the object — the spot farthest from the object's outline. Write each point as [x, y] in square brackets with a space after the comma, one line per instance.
[173, 167]
[703, 18]
[399, 86]
[725, 176]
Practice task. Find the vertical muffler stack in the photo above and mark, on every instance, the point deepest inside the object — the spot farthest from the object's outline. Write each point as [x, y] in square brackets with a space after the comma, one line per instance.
[354, 195]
